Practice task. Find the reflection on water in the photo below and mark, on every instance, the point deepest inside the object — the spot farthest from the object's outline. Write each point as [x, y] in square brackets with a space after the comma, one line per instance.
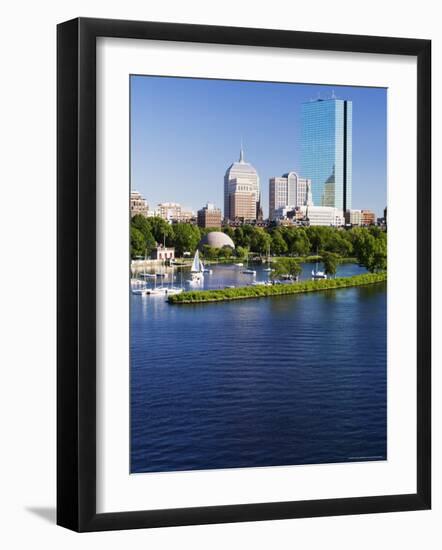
[230, 275]
[284, 380]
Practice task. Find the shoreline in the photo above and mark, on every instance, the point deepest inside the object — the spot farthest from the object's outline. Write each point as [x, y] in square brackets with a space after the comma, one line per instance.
[186, 262]
[262, 291]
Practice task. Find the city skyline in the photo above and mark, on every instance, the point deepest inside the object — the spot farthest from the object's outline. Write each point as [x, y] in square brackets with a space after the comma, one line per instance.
[185, 133]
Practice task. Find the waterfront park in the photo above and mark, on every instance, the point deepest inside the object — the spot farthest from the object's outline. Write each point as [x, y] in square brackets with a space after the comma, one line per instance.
[282, 253]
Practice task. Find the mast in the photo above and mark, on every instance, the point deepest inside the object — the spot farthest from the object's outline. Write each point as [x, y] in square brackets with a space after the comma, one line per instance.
[144, 266]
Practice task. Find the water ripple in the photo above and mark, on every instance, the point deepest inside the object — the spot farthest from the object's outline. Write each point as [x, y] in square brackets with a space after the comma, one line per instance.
[286, 380]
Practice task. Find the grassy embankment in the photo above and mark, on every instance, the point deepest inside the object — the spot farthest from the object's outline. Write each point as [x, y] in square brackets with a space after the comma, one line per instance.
[261, 291]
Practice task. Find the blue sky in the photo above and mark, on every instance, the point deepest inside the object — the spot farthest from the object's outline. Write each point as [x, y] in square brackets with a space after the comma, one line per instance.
[186, 132]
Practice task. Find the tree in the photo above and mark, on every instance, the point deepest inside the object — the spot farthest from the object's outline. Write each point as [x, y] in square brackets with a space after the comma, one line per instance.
[238, 237]
[161, 230]
[137, 247]
[230, 232]
[297, 241]
[339, 243]
[278, 244]
[206, 230]
[210, 252]
[286, 266]
[226, 252]
[247, 232]
[141, 223]
[330, 261]
[142, 226]
[319, 237]
[370, 251]
[185, 238]
[375, 231]
[260, 241]
[241, 252]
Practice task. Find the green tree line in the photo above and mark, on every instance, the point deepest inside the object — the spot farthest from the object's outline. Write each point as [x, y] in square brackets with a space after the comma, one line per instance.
[367, 244]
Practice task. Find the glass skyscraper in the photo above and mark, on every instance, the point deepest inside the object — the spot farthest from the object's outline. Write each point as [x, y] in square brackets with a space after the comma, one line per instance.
[326, 151]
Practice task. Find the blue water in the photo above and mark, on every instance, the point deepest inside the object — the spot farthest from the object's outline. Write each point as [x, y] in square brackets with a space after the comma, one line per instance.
[273, 381]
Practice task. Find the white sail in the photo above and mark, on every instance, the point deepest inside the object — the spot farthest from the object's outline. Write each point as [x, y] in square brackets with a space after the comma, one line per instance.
[196, 265]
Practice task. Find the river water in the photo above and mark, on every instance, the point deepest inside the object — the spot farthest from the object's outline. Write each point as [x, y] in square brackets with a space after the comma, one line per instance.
[274, 381]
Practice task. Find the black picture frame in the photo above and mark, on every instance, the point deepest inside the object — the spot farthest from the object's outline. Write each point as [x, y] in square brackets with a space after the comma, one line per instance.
[76, 274]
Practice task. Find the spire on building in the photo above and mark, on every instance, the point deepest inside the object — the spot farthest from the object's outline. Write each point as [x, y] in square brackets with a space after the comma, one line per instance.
[241, 153]
[308, 195]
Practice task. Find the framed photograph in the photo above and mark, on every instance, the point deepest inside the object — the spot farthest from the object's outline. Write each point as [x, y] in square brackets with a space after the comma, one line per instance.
[243, 274]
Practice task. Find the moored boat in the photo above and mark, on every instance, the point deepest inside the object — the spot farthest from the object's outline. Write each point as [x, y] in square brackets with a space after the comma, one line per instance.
[197, 271]
[316, 273]
[248, 271]
[173, 290]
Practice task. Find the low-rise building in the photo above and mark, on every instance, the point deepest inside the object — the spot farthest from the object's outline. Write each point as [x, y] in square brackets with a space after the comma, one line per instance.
[169, 211]
[353, 217]
[322, 215]
[187, 216]
[209, 216]
[163, 253]
[287, 222]
[284, 212]
[138, 205]
[368, 217]
[173, 212]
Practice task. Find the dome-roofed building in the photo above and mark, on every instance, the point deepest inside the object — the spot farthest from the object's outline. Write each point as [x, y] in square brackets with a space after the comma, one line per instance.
[216, 239]
[241, 190]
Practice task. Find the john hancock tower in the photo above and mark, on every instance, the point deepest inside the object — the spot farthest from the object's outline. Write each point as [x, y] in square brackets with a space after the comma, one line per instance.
[326, 150]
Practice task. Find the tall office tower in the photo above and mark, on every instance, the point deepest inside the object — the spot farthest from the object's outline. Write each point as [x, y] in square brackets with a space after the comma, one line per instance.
[289, 190]
[242, 202]
[241, 178]
[326, 150]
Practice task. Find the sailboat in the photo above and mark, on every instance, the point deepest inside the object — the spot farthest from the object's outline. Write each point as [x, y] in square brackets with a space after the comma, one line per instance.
[173, 289]
[156, 290]
[197, 270]
[268, 269]
[248, 271]
[138, 286]
[316, 274]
